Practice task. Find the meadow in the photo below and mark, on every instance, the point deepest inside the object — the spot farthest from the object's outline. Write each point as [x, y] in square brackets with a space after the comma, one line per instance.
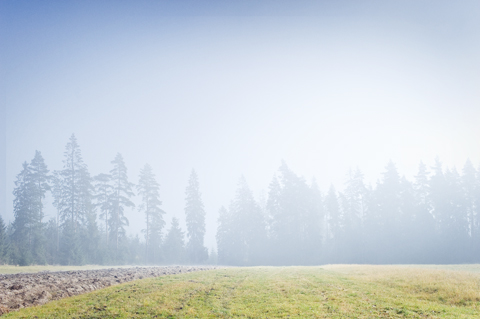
[331, 291]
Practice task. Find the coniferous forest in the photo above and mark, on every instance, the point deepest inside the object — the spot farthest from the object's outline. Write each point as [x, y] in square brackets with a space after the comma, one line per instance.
[434, 218]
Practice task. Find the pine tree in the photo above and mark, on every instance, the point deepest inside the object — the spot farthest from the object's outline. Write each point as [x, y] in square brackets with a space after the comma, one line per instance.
[103, 193]
[195, 218]
[119, 200]
[23, 210]
[290, 208]
[3, 242]
[406, 250]
[40, 185]
[334, 224]
[457, 225]
[148, 189]
[423, 232]
[248, 234]
[223, 237]
[313, 224]
[388, 201]
[469, 188]
[354, 208]
[73, 200]
[174, 245]
[476, 230]
[440, 208]
[51, 249]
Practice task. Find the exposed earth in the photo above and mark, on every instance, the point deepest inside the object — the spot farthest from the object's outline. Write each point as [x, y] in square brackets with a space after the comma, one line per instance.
[24, 290]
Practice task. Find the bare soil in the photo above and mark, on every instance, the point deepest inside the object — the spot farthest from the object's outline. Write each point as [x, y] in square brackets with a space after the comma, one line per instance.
[24, 290]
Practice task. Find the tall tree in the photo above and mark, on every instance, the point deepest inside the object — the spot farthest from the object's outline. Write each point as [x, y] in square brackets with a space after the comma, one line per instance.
[102, 197]
[3, 242]
[423, 231]
[333, 220]
[73, 196]
[388, 201]
[23, 211]
[354, 209]
[119, 200]
[148, 189]
[314, 227]
[469, 190]
[223, 237]
[174, 245]
[195, 219]
[249, 233]
[292, 215]
[40, 185]
[456, 229]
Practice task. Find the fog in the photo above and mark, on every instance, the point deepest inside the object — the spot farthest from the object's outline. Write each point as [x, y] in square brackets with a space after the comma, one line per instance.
[231, 90]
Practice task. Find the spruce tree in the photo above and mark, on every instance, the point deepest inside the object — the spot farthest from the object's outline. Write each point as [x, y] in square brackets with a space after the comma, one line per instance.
[457, 228]
[119, 200]
[3, 242]
[73, 200]
[51, 249]
[248, 233]
[423, 230]
[389, 210]
[223, 237]
[334, 224]
[197, 253]
[314, 227]
[23, 210]
[40, 185]
[174, 245]
[476, 231]
[148, 189]
[28, 234]
[103, 193]
[354, 209]
[469, 189]
[292, 213]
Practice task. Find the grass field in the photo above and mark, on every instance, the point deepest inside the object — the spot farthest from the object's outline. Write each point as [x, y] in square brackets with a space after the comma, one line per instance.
[333, 291]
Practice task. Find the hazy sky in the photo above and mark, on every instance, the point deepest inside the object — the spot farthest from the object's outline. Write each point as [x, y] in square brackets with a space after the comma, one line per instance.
[233, 88]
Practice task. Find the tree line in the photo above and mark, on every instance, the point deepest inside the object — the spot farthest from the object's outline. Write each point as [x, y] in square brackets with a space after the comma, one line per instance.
[435, 218]
[90, 224]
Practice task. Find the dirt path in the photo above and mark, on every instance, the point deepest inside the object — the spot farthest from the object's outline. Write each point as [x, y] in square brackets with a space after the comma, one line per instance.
[24, 290]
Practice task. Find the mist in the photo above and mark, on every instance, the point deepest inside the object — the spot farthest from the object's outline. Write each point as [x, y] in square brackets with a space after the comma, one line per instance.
[235, 91]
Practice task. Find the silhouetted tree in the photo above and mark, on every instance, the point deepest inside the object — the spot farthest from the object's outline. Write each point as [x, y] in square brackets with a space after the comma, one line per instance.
[3, 242]
[148, 189]
[334, 228]
[40, 180]
[121, 192]
[469, 191]
[174, 245]
[423, 224]
[102, 198]
[73, 200]
[195, 219]
[23, 211]
[224, 237]
[248, 227]
[354, 209]
[293, 217]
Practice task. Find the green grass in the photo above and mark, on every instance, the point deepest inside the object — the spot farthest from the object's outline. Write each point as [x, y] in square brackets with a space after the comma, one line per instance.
[333, 291]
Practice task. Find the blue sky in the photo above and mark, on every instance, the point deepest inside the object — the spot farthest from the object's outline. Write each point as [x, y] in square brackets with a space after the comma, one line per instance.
[233, 88]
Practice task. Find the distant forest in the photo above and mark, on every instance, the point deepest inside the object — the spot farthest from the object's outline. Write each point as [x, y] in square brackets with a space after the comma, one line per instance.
[432, 219]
